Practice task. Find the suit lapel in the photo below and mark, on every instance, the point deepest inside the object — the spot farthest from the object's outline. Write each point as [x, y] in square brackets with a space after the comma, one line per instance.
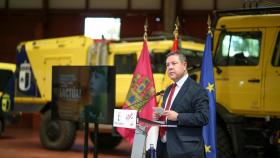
[166, 95]
[180, 94]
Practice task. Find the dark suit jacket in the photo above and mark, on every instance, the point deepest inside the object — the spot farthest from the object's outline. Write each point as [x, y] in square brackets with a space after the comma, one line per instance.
[186, 140]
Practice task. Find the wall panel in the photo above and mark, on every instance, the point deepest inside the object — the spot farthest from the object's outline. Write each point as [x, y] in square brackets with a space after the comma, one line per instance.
[21, 4]
[194, 23]
[235, 4]
[15, 30]
[2, 3]
[108, 4]
[146, 4]
[133, 26]
[197, 4]
[67, 4]
[64, 25]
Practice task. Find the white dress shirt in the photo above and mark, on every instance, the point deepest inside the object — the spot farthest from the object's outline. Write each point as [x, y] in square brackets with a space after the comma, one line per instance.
[179, 85]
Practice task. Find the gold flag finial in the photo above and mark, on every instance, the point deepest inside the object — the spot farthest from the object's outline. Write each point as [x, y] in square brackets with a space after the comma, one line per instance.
[209, 25]
[176, 31]
[146, 29]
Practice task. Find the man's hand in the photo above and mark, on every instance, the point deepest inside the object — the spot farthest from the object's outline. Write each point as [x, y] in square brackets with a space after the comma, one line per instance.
[157, 112]
[171, 115]
[156, 116]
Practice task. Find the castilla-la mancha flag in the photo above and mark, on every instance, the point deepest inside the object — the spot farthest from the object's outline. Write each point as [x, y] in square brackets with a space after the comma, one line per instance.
[141, 95]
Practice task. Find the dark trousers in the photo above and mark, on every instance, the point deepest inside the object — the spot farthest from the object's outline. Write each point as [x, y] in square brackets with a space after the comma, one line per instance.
[161, 150]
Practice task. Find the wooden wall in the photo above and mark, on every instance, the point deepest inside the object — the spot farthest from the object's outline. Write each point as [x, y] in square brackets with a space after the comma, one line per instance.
[17, 27]
[14, 29]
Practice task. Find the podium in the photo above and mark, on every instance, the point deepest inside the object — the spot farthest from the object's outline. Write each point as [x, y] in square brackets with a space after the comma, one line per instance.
[139, 143]
[126, 118]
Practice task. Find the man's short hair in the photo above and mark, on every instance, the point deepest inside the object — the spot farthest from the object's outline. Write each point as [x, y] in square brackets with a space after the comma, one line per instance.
[182, 57]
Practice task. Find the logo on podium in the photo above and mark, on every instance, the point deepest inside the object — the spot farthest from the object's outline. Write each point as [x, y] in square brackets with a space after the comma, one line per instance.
[125, 118]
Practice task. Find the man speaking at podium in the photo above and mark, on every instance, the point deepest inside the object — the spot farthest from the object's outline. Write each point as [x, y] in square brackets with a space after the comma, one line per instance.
[185, 104]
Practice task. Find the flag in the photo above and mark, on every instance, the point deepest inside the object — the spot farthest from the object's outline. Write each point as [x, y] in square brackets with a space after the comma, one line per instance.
[141, 95]
[175, 45]
[207, 81]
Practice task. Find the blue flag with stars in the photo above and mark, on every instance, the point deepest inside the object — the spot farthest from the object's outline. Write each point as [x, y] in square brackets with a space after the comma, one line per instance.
[207, 81]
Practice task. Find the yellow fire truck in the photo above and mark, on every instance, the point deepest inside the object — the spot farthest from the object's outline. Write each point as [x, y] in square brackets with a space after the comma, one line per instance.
[246, 48]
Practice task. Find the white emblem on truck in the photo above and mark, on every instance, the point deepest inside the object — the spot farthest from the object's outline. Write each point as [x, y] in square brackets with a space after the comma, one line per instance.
[24, 76]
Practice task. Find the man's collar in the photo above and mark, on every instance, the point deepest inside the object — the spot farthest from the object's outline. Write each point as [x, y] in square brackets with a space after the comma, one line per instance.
[182, 80]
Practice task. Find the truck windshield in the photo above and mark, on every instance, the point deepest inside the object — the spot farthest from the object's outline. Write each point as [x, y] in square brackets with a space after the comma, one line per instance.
[125, 63]
[194, 58]
[4, 79]
[238, 48]
[158, 59]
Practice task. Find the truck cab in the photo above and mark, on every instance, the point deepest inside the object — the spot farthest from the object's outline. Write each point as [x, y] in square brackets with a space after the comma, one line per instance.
[246, 47]
[6, 92]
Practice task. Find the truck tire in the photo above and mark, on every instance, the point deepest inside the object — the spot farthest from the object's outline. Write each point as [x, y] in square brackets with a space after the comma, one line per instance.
[224, 146]
[106, 141]
[57, 134]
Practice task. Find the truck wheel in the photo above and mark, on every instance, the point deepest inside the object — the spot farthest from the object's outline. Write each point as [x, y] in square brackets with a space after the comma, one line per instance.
[106, 141]
[56, 134]
[224, 146]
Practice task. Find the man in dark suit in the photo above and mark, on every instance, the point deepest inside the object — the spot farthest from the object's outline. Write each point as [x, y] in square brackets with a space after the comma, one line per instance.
[188, 109]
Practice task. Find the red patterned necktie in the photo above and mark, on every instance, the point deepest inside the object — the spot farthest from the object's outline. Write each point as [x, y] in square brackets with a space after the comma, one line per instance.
[162, 130]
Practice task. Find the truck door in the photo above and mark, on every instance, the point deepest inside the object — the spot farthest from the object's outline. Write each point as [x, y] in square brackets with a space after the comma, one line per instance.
[238, 55]
[272, 80]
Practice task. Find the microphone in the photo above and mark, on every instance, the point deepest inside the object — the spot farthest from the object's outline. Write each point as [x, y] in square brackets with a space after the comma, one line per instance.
[159, 93]
[146, 100]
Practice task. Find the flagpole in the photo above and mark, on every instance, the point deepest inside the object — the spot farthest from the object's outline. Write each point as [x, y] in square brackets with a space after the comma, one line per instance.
[209, 26]
[176, 30]
[146, 30]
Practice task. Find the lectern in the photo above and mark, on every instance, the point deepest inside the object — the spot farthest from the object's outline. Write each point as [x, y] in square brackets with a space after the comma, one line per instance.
[139, 143]
[126, 118]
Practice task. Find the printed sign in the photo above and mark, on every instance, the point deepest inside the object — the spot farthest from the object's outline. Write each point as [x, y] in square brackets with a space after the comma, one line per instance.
[125, 118]
[83, 93]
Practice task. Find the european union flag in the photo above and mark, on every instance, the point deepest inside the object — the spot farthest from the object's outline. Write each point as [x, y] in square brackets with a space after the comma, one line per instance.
[207, 81]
